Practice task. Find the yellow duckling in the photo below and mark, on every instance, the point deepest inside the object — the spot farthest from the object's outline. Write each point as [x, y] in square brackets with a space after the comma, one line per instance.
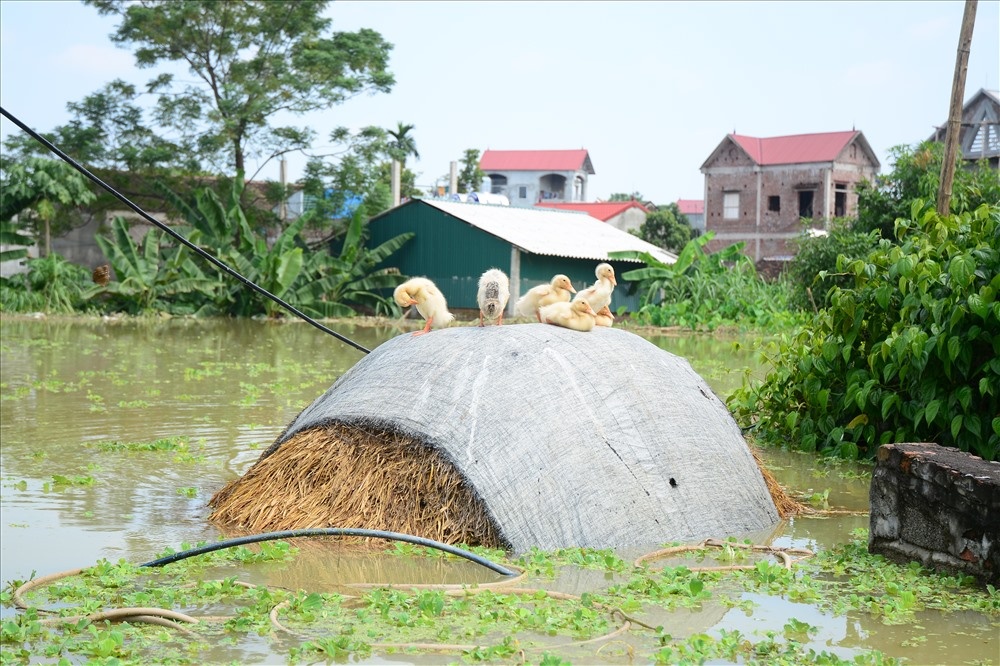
[428, 299]
[604, 317]
[494, 292]
[599, 295]
[577, 315]
[557, 291]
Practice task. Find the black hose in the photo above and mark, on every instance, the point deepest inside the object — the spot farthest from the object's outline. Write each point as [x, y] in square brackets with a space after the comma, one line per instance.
[149, 218]
[331, 531]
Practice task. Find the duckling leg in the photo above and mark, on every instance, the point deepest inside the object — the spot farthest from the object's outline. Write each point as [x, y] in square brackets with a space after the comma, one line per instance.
[500, 320]
[427, 327]
[480, 319]
[538, 314]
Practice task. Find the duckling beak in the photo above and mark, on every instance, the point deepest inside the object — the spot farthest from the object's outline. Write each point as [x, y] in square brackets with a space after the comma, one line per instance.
[411, 301]
[572, 290]
[614, 281]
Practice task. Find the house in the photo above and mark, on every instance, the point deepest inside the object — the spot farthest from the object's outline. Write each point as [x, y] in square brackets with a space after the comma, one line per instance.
[456, 242]
[624, 215]
[528, 177]
[761, 190]
[980, 133]
[694, 211]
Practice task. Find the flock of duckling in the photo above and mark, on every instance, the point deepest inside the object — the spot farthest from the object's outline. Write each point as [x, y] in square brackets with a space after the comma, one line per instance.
[549, 303]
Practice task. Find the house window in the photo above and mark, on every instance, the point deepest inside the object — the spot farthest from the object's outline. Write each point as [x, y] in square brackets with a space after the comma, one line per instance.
[774, 203]
[522, 192]
[805, 203]
[731, 205]
[498, 184]
[840, 200]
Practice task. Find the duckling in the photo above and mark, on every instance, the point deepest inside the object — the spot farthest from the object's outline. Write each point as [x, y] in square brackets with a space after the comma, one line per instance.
[428, 299]
[494, 292]
[577, 315]
[557, 291]
[599, 295]
[604, 317]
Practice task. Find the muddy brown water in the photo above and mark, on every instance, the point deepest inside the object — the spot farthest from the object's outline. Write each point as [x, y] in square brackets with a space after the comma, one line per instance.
[231, 386]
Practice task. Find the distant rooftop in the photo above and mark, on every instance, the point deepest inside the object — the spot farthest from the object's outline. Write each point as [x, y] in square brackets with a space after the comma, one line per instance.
[601, 210]
[548, 232]
[796, 148]
[691, 206]
[536, 160]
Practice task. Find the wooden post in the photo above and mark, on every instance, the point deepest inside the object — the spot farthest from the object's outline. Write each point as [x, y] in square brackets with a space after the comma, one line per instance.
[954, 126]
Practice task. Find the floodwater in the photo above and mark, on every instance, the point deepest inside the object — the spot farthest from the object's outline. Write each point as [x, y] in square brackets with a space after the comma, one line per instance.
[230, 387]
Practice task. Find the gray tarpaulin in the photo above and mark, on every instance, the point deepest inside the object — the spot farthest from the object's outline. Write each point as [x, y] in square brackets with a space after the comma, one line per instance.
[597, 439]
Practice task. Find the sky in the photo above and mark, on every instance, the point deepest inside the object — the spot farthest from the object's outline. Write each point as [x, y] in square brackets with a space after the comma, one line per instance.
[648, 88]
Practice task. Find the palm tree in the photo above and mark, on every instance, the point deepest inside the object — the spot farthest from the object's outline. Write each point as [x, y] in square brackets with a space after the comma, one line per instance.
[402, 144]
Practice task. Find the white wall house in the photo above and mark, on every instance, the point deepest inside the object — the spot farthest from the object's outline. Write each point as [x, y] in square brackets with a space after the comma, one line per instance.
[529, 177]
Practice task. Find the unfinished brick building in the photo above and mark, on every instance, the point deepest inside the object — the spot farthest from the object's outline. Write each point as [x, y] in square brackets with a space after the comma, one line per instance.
[762, 190]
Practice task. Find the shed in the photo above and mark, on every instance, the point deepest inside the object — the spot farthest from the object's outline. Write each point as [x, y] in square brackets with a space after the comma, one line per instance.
[455, 242]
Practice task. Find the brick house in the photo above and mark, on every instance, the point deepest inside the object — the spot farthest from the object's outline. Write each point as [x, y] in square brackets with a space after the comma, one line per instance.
[624, 215]
[528, 177]
[761, 190]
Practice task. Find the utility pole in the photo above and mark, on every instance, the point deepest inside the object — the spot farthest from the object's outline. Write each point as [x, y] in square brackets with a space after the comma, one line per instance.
[954, 127]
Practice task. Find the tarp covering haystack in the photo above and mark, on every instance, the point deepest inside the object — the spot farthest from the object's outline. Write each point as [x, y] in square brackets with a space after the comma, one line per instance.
[511, 436]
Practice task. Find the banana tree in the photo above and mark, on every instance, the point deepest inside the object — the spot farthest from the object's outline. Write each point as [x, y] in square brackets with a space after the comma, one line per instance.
[150, 275]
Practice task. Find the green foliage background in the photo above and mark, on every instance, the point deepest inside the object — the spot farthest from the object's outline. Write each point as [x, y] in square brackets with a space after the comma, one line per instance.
[909, 352]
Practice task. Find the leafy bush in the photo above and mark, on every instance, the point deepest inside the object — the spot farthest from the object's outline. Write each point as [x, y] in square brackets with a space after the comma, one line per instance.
[51, 284]
[910, 353]
[705, 291]
[812, 271]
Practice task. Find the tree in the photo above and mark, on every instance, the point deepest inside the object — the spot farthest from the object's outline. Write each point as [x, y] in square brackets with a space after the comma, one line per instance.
[471, 176]
[253, 60]
[915, 174]
[402, 144]
[621, 196]
[666, 227]
[43, 193]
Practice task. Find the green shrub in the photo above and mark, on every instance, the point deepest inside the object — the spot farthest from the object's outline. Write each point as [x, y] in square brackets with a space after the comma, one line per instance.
[911, 352]
[818, 255]
[705, 291]
[51, 284]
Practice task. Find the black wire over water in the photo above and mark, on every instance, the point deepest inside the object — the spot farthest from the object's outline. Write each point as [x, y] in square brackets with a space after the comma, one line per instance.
[331, 531]
[149, 218]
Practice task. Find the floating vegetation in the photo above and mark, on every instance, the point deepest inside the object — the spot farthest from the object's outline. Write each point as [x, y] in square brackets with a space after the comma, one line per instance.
[165, 444]
[490, 623]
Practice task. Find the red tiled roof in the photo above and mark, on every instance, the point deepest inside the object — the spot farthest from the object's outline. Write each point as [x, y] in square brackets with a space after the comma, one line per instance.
[795, 149]
[691, 206]
[536, 160]
[602, 210]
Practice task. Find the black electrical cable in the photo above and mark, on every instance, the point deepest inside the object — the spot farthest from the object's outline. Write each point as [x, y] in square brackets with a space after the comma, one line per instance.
[331, 531]
[149, 218]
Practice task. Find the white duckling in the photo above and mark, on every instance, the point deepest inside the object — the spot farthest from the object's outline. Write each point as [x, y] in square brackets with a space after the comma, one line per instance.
[603, 317]
[599, 295]
[429, 300]
[494, 292]
[557, 291]
[577, 315]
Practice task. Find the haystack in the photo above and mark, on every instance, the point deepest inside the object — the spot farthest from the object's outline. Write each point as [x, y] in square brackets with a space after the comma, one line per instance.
[514, 436]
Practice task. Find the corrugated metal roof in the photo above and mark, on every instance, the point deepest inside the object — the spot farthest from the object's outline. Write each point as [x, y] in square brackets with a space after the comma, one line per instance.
[691, 206]
[536, 160]
[550, 232]
[795, 149]
[602, 210]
